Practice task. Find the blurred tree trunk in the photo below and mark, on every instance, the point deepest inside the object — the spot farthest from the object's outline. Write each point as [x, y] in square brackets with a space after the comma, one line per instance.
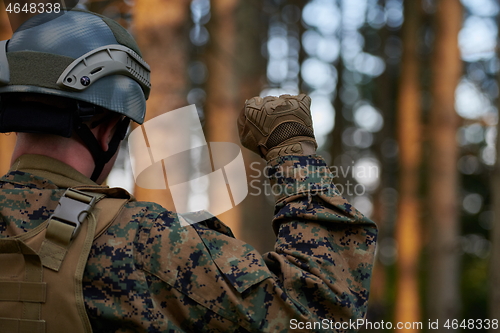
[162, 32]
[407, 307]
[444, 256]
[235, 73]
[494, 297]
[336, 148]
[223, 101]
[7, 141]
[257, 210]
[117, 10]
[385, 92]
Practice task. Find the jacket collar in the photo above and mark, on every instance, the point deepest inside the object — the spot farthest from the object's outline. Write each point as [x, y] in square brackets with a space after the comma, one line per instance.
[59, 173]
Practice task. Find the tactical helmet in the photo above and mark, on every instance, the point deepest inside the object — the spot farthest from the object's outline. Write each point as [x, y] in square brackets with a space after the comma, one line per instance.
[76, 55]
[79, 55]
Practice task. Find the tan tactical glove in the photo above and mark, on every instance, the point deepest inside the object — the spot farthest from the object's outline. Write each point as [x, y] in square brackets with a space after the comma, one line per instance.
[277, 126]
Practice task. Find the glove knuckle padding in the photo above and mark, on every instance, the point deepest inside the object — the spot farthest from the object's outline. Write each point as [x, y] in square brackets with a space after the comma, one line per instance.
[271, 121]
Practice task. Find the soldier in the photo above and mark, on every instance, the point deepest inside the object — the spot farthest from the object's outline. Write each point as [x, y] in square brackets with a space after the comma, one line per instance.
[113, 264]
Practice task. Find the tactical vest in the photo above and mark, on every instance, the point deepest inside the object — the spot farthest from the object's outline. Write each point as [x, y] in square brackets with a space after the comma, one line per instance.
[43, 292]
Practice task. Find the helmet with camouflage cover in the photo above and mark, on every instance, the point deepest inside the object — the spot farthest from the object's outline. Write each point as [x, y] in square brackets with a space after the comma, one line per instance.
[73, 56]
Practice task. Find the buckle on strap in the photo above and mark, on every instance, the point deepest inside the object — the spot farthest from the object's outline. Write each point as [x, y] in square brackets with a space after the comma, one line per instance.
[73, 208]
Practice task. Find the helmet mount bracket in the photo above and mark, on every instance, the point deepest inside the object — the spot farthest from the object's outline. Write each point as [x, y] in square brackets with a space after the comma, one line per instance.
[4, 63]
[104, 61]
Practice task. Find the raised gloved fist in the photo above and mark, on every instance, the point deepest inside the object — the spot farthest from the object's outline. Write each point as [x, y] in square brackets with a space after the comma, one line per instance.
[277, 126]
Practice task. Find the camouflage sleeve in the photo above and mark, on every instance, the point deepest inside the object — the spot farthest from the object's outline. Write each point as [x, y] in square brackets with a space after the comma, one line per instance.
[325, 247]
[318, 274]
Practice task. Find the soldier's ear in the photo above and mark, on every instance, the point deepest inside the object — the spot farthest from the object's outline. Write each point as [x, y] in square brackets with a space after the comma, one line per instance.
[104, 132]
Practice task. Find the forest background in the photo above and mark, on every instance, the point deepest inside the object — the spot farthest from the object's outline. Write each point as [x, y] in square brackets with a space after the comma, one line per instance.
[405, 105]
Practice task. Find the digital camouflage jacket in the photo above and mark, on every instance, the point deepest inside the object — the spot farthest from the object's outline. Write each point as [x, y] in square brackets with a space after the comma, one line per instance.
[150, 273]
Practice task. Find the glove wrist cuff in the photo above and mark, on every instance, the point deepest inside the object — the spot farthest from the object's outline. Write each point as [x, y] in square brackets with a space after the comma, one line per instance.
[295, 147]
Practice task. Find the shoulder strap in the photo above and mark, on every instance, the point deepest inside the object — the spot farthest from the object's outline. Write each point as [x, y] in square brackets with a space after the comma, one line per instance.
[103, 215]
[60, 247]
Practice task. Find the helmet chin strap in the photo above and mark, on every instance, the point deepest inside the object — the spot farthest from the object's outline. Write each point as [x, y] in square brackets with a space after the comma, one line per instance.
[100, 156]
